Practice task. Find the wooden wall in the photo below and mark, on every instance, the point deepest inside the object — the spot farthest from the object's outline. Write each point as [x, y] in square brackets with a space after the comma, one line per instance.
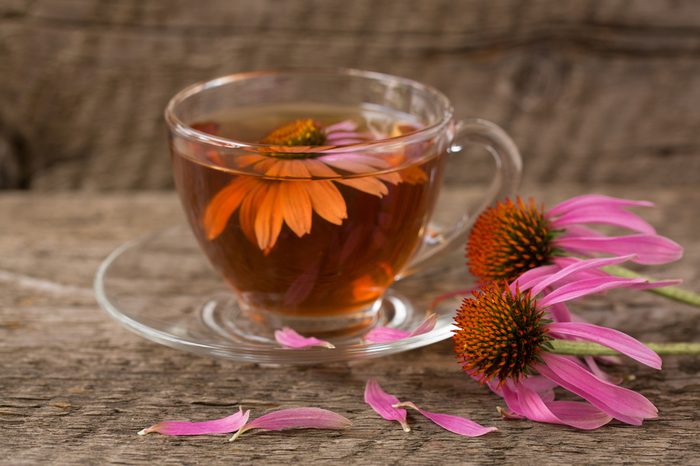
[592, 91]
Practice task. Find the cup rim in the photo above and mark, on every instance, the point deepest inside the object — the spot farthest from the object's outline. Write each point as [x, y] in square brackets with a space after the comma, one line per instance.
[184, 130]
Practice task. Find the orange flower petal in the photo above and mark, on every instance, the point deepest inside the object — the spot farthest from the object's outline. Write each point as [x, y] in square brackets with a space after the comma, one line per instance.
[289, 168]
[393, 177]
[249, 209]
[413, 175]
[320, 169]
[295, 203]
[327, 201]
[367, 184]
[268, 220]
[222, 205]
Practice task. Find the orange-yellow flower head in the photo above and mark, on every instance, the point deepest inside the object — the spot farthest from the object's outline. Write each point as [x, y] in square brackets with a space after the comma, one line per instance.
[499, 333]
[303, 132]
[508, 240]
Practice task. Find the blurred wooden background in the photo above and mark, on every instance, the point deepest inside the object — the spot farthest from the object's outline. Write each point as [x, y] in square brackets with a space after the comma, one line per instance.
[592, 91]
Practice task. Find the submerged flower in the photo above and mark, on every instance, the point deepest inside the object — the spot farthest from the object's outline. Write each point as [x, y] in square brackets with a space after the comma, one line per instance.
[504, 338]
[297, 180]
[514, 236]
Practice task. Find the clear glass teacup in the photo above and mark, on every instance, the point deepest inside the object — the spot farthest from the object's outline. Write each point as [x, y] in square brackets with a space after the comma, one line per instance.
[312, 191]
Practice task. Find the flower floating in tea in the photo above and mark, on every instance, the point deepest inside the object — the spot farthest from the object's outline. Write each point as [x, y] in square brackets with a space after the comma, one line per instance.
[293, 179]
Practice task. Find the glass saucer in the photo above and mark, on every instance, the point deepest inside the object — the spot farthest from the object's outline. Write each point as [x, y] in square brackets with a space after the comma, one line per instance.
[162, 287]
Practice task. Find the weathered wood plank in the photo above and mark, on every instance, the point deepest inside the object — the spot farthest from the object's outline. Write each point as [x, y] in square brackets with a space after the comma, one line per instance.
[75, 387]
[590, 90]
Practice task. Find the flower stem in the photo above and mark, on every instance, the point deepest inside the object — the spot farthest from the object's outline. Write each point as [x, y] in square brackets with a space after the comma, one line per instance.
[671, 292]
[582, 348]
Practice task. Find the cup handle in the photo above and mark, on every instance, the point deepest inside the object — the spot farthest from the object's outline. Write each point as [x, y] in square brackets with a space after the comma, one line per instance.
[509, 167]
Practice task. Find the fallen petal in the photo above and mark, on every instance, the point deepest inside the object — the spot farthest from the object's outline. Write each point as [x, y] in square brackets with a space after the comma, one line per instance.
[289, 338]
[456, 424]
[387, 334]
[383, 404]
[296, 418]
[217, 426]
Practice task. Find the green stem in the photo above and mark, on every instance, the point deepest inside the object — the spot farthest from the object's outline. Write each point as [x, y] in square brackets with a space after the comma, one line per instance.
[671, 292]
[581, 348]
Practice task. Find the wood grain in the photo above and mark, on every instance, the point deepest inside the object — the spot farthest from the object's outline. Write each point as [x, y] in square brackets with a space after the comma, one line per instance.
[76, 387]
[592, 91]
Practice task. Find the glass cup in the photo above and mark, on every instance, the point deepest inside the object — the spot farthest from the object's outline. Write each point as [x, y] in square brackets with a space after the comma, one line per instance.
[311, 232]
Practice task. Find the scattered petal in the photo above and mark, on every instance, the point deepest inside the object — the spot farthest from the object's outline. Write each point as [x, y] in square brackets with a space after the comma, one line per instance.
[289, 338]
[217, 426]
[456, 424]
[387, 334]
[383, 404]
[296, 418]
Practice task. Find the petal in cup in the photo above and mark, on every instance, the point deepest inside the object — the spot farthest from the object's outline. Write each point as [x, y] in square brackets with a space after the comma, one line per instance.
[387, 334]
[289, 338]
[225, 425]
[296, 418]
[456, 424]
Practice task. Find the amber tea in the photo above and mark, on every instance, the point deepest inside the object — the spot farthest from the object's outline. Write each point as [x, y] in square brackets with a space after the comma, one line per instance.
[298, 229]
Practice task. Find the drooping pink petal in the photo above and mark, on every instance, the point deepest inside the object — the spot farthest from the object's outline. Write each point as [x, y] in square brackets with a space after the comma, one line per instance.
[560, 312]
[607, 215]
[225, 425]
[587, 287]
[387, 334]
[600, 373]
[289, 338]
[649, 249]
[383, 404]
[296, 418]
[533, 276]
[611, 338]
[577, 267]
[621, 403]
[530, 404]
[593, 200]
[456, 424]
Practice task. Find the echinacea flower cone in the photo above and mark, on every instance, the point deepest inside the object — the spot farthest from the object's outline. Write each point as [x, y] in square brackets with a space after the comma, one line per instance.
[516, 236]
[504, 338]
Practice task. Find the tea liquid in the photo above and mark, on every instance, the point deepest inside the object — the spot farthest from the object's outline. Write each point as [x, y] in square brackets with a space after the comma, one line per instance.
[335, 268]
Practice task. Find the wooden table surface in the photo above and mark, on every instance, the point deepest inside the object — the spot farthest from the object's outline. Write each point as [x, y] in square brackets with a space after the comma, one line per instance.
[76, 387]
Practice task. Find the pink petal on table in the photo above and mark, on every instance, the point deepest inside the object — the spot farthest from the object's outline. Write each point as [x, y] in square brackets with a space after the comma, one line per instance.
[594, 200]
[387, 334]
[296, 418]
[217, 426]
[609, 337]
[621, 403]
[456, 424]
[383, 404]
[289, 338]
[649, 249]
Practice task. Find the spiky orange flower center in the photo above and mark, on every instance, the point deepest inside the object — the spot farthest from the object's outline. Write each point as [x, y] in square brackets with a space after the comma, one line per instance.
[509, 239]
[303, 132]
[499, 334]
